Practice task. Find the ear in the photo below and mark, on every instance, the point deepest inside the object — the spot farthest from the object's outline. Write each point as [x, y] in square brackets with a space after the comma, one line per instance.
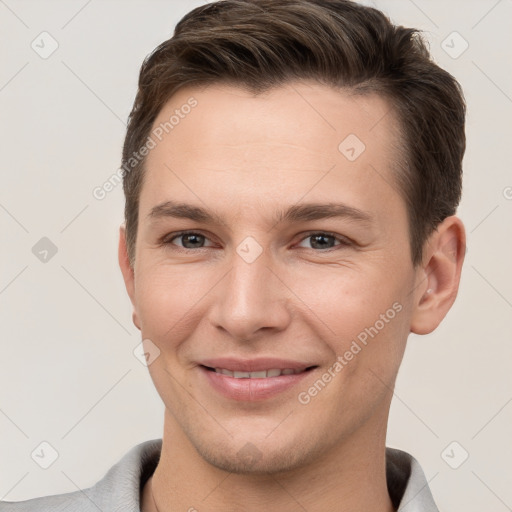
[438, 275]
[128, 272]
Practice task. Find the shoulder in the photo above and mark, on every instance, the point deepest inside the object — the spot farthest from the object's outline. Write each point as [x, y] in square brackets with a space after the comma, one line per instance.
[118, 490]
[75, 501]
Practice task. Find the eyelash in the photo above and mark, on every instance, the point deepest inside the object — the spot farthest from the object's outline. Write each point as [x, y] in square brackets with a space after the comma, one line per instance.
[344, 242]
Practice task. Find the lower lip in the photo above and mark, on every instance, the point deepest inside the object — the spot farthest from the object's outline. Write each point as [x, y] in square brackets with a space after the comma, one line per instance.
[252, 390]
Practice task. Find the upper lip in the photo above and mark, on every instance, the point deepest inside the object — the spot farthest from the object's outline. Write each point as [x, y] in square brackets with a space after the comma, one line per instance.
[254, 365]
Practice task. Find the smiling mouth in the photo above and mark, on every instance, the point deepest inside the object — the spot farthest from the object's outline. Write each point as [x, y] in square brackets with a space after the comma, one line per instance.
[262, 374]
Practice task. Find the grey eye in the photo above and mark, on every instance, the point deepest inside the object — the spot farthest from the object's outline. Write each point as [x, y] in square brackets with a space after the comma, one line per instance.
[321, 241]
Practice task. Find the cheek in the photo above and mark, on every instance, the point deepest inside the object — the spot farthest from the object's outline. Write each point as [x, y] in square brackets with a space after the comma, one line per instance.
[363, 316]
[168, 299]
[363, 319]
[169, 307]
[349, 300]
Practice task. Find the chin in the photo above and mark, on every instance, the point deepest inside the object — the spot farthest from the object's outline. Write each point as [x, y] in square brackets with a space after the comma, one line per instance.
[257, 457]
[251, 460]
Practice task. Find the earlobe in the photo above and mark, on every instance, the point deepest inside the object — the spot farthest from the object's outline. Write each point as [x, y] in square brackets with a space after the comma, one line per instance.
[128, 273]
[439, 275]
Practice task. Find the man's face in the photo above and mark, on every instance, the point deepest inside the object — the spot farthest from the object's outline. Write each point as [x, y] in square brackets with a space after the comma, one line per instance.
[256, 289]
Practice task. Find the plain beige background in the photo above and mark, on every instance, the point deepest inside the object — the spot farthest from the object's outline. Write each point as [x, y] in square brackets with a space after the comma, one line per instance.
[68, 375]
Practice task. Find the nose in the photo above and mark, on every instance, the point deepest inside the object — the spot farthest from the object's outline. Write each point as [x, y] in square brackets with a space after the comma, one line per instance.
[251, 300]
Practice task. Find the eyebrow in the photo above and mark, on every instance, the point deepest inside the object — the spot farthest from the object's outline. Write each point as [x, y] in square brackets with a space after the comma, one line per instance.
[295, 213]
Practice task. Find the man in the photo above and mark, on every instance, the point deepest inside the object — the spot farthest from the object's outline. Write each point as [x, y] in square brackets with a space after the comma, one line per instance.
[292, 170]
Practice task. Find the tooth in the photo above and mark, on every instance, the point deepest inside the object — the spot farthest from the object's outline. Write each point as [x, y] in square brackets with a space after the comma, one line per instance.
[273, 372]
[259, 375]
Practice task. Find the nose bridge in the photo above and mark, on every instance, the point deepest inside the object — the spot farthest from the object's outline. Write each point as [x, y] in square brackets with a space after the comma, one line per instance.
[249, 282]
[251, 298]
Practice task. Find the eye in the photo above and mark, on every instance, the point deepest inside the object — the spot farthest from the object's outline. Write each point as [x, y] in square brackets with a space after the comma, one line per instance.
[188, 239]
[323, 241]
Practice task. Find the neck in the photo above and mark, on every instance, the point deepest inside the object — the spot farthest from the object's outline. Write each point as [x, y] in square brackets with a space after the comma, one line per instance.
[351, 477]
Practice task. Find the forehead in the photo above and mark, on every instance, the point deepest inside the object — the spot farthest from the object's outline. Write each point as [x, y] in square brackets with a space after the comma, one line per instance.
[300, 113]
[226, 145]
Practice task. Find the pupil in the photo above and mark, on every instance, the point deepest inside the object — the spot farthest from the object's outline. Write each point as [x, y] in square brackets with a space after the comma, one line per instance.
[321, 245]
[193, 240]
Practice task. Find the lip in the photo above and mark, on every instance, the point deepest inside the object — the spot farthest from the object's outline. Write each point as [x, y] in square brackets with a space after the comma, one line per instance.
[253, 389]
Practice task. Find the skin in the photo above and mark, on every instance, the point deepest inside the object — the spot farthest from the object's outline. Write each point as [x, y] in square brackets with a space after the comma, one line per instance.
[246, 158]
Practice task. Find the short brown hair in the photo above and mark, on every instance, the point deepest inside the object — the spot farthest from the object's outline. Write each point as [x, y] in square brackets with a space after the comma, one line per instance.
[261, 44]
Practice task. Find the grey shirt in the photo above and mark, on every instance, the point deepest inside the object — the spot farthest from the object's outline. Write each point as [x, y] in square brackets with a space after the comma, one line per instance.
[120, 489]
